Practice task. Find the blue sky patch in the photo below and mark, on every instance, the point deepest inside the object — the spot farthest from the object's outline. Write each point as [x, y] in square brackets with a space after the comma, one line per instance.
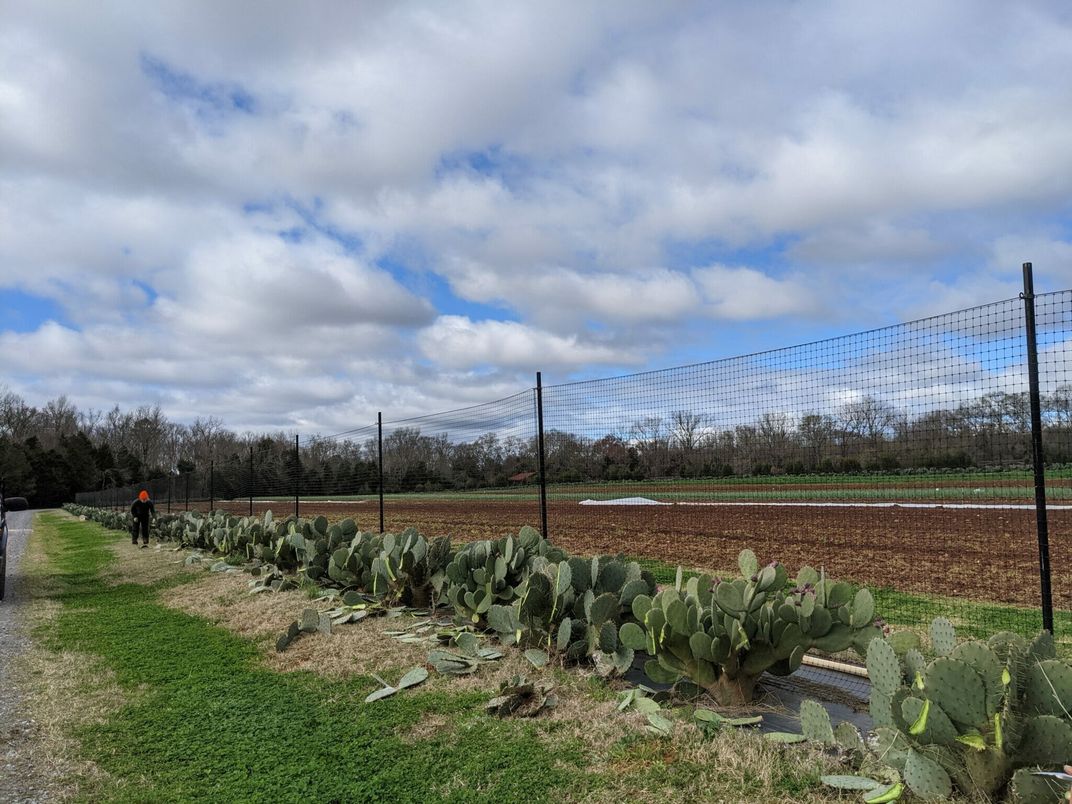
[209, 98]
[510, 169]
[26, 312]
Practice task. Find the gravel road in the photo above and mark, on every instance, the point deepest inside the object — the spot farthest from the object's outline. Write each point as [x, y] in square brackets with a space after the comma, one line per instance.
[22, 778]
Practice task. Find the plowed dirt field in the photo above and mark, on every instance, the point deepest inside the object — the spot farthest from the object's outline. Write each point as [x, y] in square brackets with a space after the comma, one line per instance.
[977, 554]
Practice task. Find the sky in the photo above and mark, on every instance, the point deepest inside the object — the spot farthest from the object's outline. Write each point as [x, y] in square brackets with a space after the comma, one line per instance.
[291, 216]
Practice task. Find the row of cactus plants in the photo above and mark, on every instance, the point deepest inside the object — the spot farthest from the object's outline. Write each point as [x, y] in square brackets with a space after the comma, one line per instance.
[399, 568]
[721, 634]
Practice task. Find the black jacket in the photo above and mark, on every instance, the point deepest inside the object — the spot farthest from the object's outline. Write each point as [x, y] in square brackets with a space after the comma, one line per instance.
[143, 510]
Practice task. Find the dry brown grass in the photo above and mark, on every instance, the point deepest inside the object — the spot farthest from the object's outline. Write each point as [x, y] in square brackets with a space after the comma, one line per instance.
[147, 566]
[430, 725]
[581, 717]
[742, 762]
[63, 690]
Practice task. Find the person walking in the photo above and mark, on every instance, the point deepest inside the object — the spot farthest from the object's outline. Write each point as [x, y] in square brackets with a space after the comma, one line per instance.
[142, 509]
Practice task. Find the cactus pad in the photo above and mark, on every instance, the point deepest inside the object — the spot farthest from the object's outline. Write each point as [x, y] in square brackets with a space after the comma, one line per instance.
[984, 662]
[958, 689]
[863, 609]
[1046, 740]
[891, 747]
[659, 674]
[1027, 788]
[881, 713]
[1048, 688]
[747, 563]
[928, 723]
[926, 778]
[815, 722]
[632, 636]
[310, 621]
[848, 737]
[882, 667]
[729, 598]
[1042, 647]
[641, 606]
[943, 636]
[1003, 643]
[915, 664]
[849, 782]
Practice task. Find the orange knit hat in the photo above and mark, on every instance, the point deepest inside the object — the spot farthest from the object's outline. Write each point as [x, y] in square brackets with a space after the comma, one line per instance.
[143, 495]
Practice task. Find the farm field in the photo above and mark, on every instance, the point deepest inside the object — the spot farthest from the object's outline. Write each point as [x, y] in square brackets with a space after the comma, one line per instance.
[964, 487]
[975, 554]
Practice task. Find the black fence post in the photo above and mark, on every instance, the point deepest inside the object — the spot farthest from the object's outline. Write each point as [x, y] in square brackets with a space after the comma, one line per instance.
[379, 439]
[170, 481]
[1037, 456]
[211, 486]
[543, 474]
[297, 474]
[187, 491]
[251, 480]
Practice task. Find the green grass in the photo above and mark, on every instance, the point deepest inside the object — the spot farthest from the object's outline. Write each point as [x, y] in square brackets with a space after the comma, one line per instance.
[206, 722]
[1018, 485]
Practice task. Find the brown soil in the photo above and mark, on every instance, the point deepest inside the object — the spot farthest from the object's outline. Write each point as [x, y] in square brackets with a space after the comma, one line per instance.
[976, 554]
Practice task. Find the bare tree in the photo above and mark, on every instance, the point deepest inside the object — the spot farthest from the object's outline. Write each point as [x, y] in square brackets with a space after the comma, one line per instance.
[773, 430]
[17, 419]
[652, 440]
[816, 433]
[869, 420]
[58, 420]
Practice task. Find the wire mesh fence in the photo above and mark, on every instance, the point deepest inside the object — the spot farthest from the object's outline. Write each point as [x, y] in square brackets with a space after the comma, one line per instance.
[899, 457]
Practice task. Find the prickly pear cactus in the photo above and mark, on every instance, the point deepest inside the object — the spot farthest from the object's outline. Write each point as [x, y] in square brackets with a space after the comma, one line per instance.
[977, 712]
[723, 634]
[485, 573]
[575, 607]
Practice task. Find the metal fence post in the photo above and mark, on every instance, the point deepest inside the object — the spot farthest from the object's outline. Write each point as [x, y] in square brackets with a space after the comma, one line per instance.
[211, 485]
[297, 474]
[1038, 459]
[170, 481]
[251, 480]
[379, 439]
[543, 473]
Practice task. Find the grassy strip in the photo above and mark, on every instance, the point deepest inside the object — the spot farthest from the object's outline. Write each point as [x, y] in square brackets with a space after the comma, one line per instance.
[968, 495]
[1019, 483]
[210, 722]
[204, 718]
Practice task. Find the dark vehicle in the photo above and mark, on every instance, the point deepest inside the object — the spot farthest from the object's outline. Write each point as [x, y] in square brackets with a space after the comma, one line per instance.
[3, 544]
[7, 504]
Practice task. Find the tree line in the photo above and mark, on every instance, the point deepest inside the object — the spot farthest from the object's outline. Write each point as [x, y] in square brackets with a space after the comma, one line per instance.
[50, 453]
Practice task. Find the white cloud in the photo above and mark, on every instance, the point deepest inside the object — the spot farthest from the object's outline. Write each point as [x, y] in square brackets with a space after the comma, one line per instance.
[742, 294]
[604, 174]
[254, 285]
[457, 342]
